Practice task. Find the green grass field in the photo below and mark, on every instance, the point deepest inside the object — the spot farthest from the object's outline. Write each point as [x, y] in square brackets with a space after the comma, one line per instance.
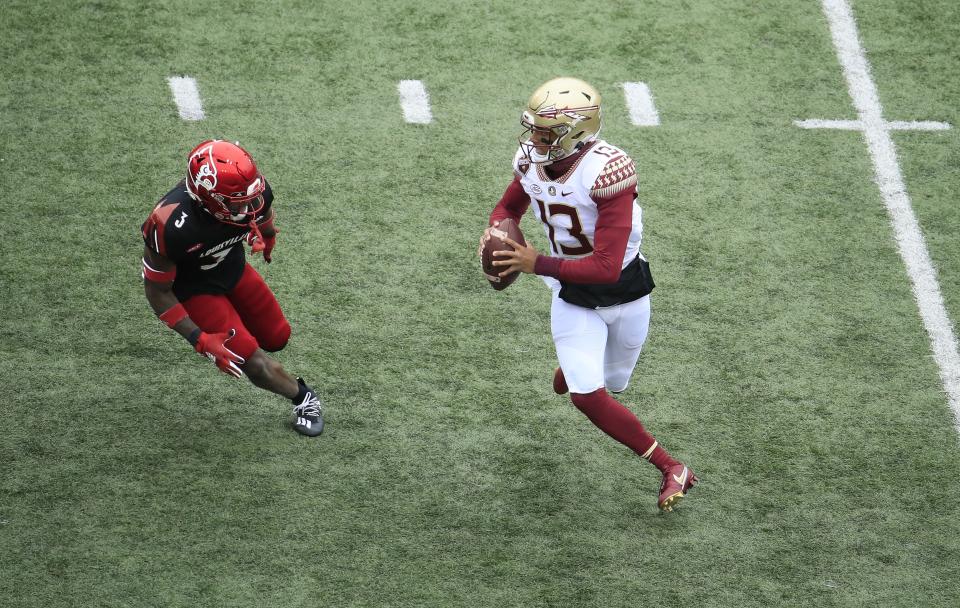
[787, 361]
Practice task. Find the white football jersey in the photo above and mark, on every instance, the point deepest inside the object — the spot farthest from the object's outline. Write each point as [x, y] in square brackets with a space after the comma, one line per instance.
[565, 207]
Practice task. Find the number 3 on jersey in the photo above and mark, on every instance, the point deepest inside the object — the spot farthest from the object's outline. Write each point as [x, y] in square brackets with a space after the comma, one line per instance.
[575, 230]
[220, 256]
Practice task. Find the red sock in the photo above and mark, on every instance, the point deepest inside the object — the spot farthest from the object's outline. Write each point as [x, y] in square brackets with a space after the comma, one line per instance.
[611, 417]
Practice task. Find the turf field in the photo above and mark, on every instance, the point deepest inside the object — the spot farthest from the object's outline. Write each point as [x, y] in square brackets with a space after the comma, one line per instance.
[788, 362]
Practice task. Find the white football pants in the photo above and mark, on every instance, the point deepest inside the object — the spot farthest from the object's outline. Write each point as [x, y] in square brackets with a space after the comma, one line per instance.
[598, 347]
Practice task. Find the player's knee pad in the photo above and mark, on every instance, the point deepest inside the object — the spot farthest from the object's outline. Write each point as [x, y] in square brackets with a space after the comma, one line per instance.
[277, 339]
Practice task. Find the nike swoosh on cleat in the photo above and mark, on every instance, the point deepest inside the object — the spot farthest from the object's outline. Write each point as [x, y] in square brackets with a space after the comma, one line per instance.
[683, 478]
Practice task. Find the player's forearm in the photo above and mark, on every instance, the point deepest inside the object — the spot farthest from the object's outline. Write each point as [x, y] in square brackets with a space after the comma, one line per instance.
[169, 309]
[599, 268]
[267, 228]
[513, 204]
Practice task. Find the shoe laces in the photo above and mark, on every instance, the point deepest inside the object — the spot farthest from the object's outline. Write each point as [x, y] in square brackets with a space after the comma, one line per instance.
[311, 406]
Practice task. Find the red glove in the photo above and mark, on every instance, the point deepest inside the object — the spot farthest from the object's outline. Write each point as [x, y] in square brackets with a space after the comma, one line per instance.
[268, 243]
[259, 243]
[214, 346]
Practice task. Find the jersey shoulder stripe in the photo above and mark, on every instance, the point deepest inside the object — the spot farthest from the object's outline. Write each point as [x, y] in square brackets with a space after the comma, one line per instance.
[617, 175]
[164, 231]
[154, 229]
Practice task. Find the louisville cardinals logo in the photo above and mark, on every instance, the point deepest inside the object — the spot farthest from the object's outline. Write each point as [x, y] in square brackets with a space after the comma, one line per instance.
[205, 173]
[552, 112]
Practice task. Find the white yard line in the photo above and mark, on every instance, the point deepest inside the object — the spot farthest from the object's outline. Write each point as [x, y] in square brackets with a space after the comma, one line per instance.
[187, 97]
[845, 125]
[918, 125]
[856, 125]
[910, 240]
[640, 104]
[415, 102]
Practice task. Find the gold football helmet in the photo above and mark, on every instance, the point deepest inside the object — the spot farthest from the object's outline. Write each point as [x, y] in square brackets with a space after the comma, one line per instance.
[561, 116]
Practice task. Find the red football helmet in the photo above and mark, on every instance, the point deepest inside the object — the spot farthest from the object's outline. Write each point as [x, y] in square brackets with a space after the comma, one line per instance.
[224, 179]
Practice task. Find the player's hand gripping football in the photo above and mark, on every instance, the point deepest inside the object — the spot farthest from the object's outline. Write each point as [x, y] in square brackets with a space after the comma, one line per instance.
[523, 258]
[485, 237]
[214, 347]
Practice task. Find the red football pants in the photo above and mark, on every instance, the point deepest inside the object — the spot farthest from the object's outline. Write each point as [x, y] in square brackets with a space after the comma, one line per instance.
[250, 308]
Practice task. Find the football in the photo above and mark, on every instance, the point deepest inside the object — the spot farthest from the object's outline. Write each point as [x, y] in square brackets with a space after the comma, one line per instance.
[506, 228]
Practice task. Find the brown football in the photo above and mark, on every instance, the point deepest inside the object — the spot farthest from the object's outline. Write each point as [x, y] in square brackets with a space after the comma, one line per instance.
[505, 228]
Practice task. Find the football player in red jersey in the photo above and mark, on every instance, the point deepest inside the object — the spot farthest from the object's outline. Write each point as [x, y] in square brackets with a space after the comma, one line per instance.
[197, 280]
[583, 190]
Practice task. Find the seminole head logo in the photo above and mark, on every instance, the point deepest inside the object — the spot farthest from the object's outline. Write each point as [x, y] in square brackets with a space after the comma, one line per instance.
[551, 112]
[204, 170]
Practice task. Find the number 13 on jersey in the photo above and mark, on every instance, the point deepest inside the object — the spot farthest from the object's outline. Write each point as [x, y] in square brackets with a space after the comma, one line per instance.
[555, 210]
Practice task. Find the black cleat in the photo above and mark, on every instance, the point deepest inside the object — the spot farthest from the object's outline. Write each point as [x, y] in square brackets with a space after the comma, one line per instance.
[308, 415]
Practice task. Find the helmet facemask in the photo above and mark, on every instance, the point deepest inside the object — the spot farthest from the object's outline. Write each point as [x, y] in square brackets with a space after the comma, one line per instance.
[239, 207]
[542, 144]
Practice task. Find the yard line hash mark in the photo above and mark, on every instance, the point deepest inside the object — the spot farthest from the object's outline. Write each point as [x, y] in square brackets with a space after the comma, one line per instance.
[857, 125]
[415, 102]
[187, 97]
[640, 104]
[883, 153]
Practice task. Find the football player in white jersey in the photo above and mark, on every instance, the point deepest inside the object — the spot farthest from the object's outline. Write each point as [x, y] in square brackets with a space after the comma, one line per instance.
[583, 190]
